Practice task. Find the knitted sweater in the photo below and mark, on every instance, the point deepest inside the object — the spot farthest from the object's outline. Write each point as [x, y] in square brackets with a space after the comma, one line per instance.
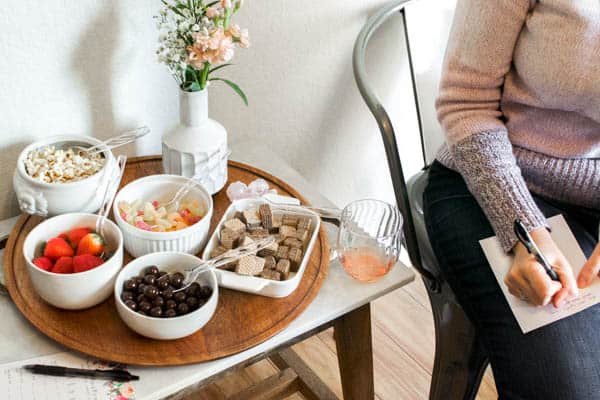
[519, 103]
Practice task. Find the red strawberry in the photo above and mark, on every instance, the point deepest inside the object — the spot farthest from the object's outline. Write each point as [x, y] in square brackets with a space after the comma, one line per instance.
[86, 262]
[63, 265]
[56, 248]
[43, 263]
[92, 243]
[75, 235]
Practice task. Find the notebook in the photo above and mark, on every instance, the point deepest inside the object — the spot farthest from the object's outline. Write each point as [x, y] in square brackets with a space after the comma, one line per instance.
[531, 317]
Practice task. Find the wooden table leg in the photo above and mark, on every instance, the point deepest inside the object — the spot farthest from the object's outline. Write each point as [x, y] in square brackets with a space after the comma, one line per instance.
[355, 353]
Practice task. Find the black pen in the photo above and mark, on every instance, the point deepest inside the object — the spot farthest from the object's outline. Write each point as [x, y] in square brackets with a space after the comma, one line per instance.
[532, 248]
[119, 375]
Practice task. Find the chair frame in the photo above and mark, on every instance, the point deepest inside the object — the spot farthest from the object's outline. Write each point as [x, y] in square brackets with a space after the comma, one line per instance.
[460, 359]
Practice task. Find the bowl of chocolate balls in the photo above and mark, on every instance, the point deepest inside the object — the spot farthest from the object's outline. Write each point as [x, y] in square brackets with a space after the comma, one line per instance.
[149, 302]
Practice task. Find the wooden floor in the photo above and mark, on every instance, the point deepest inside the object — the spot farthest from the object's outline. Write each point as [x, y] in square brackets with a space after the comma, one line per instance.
[403, 345]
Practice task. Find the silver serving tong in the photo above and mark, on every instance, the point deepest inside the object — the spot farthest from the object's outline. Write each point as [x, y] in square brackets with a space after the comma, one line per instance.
[192, 274]
[115, 141]
[109, 194]
[328, 214]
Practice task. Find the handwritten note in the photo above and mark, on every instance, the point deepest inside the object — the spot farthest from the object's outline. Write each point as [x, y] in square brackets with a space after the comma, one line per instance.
[531, 317]
[20, 384]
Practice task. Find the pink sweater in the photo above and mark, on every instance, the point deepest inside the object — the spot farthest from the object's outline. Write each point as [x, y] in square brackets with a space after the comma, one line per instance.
[520, 105]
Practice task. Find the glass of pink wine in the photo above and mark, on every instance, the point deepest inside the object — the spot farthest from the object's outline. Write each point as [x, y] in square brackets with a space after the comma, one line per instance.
[369, 239]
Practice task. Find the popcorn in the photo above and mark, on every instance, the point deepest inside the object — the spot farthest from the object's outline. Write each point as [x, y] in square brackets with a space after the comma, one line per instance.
[52, 165]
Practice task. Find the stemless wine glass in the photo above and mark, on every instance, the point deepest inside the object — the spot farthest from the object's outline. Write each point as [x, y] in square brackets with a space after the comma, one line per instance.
[369, 239]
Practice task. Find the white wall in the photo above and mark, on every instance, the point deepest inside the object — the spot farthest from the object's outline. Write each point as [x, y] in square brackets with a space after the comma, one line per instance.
[89, 67]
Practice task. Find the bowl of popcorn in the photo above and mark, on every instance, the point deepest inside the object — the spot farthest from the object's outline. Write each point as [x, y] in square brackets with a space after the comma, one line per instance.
[274, 271]
[148, 226]
[53, 176]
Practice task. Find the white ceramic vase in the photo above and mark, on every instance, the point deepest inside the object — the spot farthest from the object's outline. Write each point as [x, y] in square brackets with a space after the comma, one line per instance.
[197, 146]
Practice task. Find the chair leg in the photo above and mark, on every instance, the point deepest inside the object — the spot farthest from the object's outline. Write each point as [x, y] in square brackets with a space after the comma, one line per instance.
[460, 359]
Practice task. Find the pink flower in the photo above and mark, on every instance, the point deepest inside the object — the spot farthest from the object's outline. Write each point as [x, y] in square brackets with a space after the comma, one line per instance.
[127, 391]
[226, 3]
[212, 12]
[239, 35]
[215, 48]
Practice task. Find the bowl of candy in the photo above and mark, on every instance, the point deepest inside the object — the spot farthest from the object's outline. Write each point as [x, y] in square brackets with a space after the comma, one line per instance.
[54, 177]
[149, 226]
[149, 302]
[70, 265]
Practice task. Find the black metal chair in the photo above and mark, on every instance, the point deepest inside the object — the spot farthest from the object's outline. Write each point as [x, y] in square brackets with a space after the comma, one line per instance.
[460, 360]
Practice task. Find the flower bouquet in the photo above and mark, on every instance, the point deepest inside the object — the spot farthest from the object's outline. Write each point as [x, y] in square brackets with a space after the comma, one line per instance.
[197, 39]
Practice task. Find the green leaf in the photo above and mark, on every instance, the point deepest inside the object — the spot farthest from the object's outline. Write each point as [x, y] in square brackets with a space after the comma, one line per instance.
[191, 86]
[235, 87]
[190, 74]
[219, 67]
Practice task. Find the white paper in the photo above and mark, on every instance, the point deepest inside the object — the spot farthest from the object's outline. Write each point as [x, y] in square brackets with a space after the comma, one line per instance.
[529, 316]
[20, 384]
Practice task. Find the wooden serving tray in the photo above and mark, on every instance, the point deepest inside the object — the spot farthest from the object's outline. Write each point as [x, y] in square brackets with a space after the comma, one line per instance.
[241, 320]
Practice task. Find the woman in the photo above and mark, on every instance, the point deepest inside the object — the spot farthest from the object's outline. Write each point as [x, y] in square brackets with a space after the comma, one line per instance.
[520, 105]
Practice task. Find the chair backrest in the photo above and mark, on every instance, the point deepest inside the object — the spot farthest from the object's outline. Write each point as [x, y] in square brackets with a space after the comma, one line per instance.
[427, 26]
[425, 77]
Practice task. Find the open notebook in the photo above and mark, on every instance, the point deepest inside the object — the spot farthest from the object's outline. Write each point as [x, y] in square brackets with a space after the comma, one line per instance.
[531, 317]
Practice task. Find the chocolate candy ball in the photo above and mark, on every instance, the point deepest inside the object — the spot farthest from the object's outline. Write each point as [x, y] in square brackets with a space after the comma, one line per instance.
[205, 292]
[150, 292]
[131, 304]
[156, 312]
[149, 279]
[170, 313]
[193, 289]
[141, 287]
[140, 297]
[152, 270]
[170, 304]
[137, 279]
[179, 297]
[177, 280]
[167, 293]
[182, 308]
[162, 282]
[144, 306]
[158, 301]
[192, 302]
[127, 295]
[130, 285]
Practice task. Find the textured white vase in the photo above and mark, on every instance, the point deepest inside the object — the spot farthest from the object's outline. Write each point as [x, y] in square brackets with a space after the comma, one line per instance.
[198, 145]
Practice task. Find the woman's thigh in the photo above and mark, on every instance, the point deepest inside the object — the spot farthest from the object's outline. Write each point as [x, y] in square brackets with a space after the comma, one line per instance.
[558, 361]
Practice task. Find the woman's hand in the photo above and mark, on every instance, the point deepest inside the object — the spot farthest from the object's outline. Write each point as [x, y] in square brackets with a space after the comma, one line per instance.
[528, 280]
[590, 269]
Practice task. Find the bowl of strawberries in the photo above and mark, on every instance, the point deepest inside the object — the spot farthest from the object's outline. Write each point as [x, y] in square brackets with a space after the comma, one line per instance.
[70, 265]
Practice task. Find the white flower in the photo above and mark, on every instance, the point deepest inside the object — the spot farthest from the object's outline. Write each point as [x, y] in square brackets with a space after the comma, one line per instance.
[196, 28]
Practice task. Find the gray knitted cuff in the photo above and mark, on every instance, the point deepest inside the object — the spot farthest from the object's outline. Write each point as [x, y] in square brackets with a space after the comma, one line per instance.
[486, 162]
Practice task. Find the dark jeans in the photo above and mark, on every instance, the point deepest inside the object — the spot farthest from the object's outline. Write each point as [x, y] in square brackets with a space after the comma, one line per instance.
[557, 361]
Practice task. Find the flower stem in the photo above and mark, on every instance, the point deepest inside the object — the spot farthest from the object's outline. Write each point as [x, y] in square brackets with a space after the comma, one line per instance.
[204, 75]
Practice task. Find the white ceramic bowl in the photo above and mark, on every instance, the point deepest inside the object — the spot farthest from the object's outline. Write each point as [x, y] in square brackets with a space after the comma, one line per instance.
[83, 289]
[166, 328]
[139, 242]
[48, 199]
[256, 284]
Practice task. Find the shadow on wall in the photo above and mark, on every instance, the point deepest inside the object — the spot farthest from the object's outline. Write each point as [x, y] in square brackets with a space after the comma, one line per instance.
[8, 198]
[93, 64]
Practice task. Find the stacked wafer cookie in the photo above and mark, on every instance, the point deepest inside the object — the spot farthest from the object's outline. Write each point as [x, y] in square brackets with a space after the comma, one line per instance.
[279, 260]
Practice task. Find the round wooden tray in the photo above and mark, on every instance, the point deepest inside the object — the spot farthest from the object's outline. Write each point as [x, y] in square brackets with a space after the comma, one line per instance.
[241, 321]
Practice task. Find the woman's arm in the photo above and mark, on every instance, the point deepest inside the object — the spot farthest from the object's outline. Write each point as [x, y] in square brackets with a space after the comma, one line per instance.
[478, 57]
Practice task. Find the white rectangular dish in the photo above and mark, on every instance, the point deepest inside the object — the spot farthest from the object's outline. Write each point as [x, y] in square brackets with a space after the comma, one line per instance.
[258, 285]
